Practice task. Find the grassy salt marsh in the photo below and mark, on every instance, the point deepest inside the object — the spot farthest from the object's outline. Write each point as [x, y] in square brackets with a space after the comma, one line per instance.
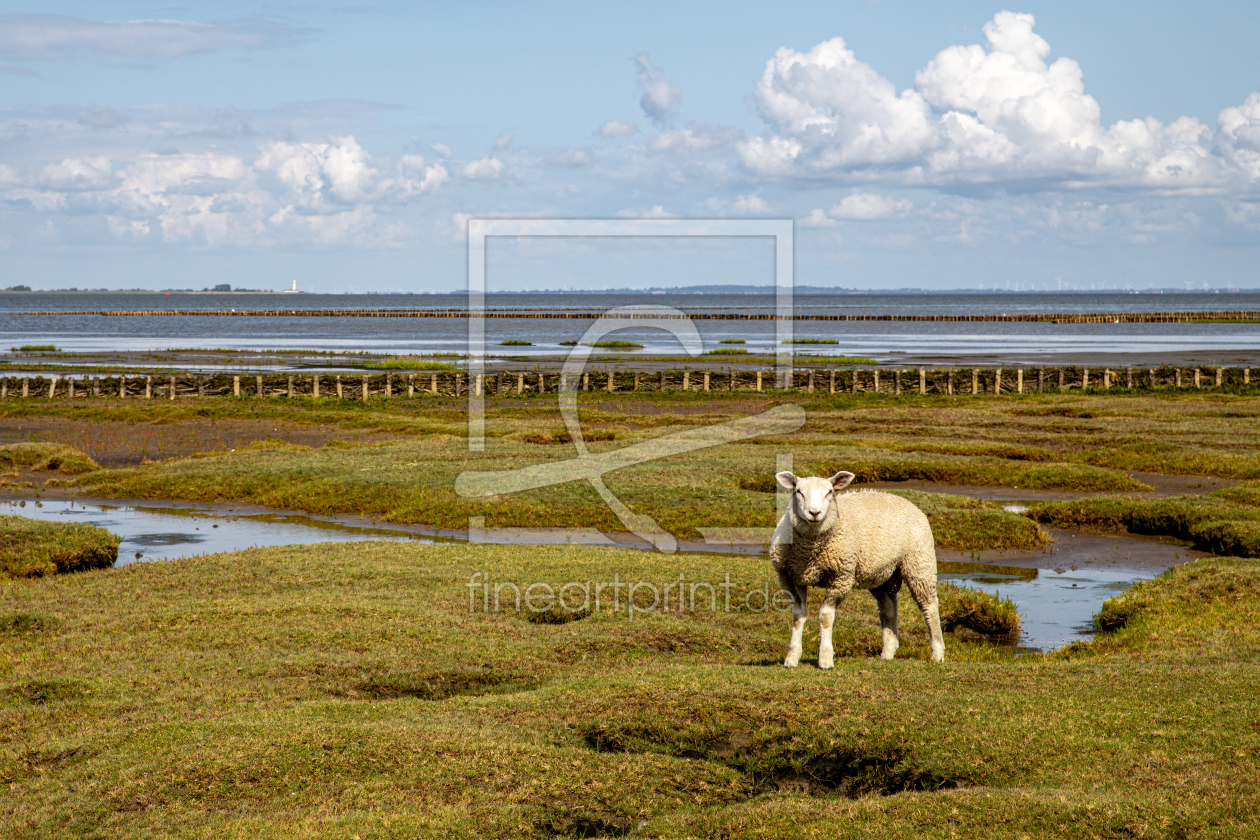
[367, 699]
[354, 689]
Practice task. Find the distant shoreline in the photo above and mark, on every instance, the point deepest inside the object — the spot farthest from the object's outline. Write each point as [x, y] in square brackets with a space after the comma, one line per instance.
[685, 290]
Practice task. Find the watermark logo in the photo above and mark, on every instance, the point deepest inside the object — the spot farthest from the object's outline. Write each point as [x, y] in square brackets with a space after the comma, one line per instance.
[592, 467]
[632, 597]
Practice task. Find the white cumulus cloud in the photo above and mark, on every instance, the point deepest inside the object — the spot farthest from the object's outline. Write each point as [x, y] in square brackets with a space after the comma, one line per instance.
[660, 99]
[991, 113]
[869, 206]
[617, 128]
[485, 168]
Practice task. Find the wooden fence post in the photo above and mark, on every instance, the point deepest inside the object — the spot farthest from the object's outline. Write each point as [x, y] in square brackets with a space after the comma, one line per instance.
[1128, 378]
[411, 384]
[975, 380]
[315, 385]
[433, 386]
[236, 386]
[52, 387]
[833, 382]
[922, 381]
[122, 387]
[1084, 379]
[1019, 381]
[612, 381]
[997, 381]
[365, 387]
[758, 380]
[339, 393]
[148, 387]
[70, 386]
[897, 381]
[173, 387]
[875, 380]
[949, 382]
[290, 386]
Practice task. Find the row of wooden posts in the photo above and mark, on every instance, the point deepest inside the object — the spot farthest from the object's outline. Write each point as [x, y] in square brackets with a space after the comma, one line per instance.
[952, 381]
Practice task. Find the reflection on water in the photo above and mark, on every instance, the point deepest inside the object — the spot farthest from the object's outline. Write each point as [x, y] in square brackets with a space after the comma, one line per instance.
[162, 533]
[1056, 605]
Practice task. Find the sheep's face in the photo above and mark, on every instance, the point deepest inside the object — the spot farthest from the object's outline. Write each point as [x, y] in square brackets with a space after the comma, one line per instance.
[812, 497]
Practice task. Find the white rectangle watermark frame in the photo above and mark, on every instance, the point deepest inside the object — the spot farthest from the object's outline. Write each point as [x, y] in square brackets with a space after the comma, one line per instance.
[780, 230]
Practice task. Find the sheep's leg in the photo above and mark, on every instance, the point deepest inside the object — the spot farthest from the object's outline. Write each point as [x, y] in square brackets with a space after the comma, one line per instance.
[826, 619]
[886, 596]
[924, 592]
[800, 595]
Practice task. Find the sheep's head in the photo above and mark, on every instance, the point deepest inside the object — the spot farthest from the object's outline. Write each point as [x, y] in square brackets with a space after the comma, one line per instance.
[812, 497]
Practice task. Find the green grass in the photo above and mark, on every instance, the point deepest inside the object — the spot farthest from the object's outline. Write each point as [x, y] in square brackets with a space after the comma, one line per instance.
[836, 360]
[46, 457]
[607, 345]
[36, 348]
[35, 548]
[343, 690]
[726, 351]
[516, 343]
[811, 341]
[732, 341]
[405, 363]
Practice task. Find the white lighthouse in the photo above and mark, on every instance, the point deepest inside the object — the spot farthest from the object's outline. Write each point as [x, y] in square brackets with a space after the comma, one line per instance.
[292, 291]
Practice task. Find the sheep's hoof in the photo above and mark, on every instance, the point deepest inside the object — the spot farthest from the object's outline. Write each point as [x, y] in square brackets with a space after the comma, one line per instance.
[823, 667]
[789, 664]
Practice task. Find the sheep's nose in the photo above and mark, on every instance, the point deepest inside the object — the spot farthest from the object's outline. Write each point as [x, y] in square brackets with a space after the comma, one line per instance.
[815, 513]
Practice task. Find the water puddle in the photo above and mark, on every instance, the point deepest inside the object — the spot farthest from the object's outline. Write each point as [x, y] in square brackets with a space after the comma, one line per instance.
[169, 533]
[1056, 606]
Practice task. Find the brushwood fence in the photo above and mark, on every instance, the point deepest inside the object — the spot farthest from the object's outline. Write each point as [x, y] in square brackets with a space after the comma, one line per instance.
[853, 381]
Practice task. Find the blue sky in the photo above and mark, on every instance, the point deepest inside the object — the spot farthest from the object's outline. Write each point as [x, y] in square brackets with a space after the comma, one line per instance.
[916, 144]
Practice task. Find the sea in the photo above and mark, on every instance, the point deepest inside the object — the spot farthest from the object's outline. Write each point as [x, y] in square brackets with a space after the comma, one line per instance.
[883, 341]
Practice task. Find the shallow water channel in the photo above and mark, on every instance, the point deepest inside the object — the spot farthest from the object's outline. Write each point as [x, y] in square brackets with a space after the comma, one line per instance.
[1057, 591]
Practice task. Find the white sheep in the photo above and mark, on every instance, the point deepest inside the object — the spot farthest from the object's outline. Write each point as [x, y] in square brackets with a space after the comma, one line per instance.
[868, 539]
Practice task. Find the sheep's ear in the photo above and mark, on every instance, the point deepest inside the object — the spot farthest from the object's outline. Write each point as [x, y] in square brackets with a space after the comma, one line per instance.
[841, 480]
[786, 479]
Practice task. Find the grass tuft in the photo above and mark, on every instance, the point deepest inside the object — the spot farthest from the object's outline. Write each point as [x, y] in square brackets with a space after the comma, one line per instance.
[33, 548]
[978, 611]
[47, 457]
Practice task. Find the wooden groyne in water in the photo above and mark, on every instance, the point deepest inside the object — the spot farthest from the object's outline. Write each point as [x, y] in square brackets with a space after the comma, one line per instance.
[853, 381]
[1050, 318]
